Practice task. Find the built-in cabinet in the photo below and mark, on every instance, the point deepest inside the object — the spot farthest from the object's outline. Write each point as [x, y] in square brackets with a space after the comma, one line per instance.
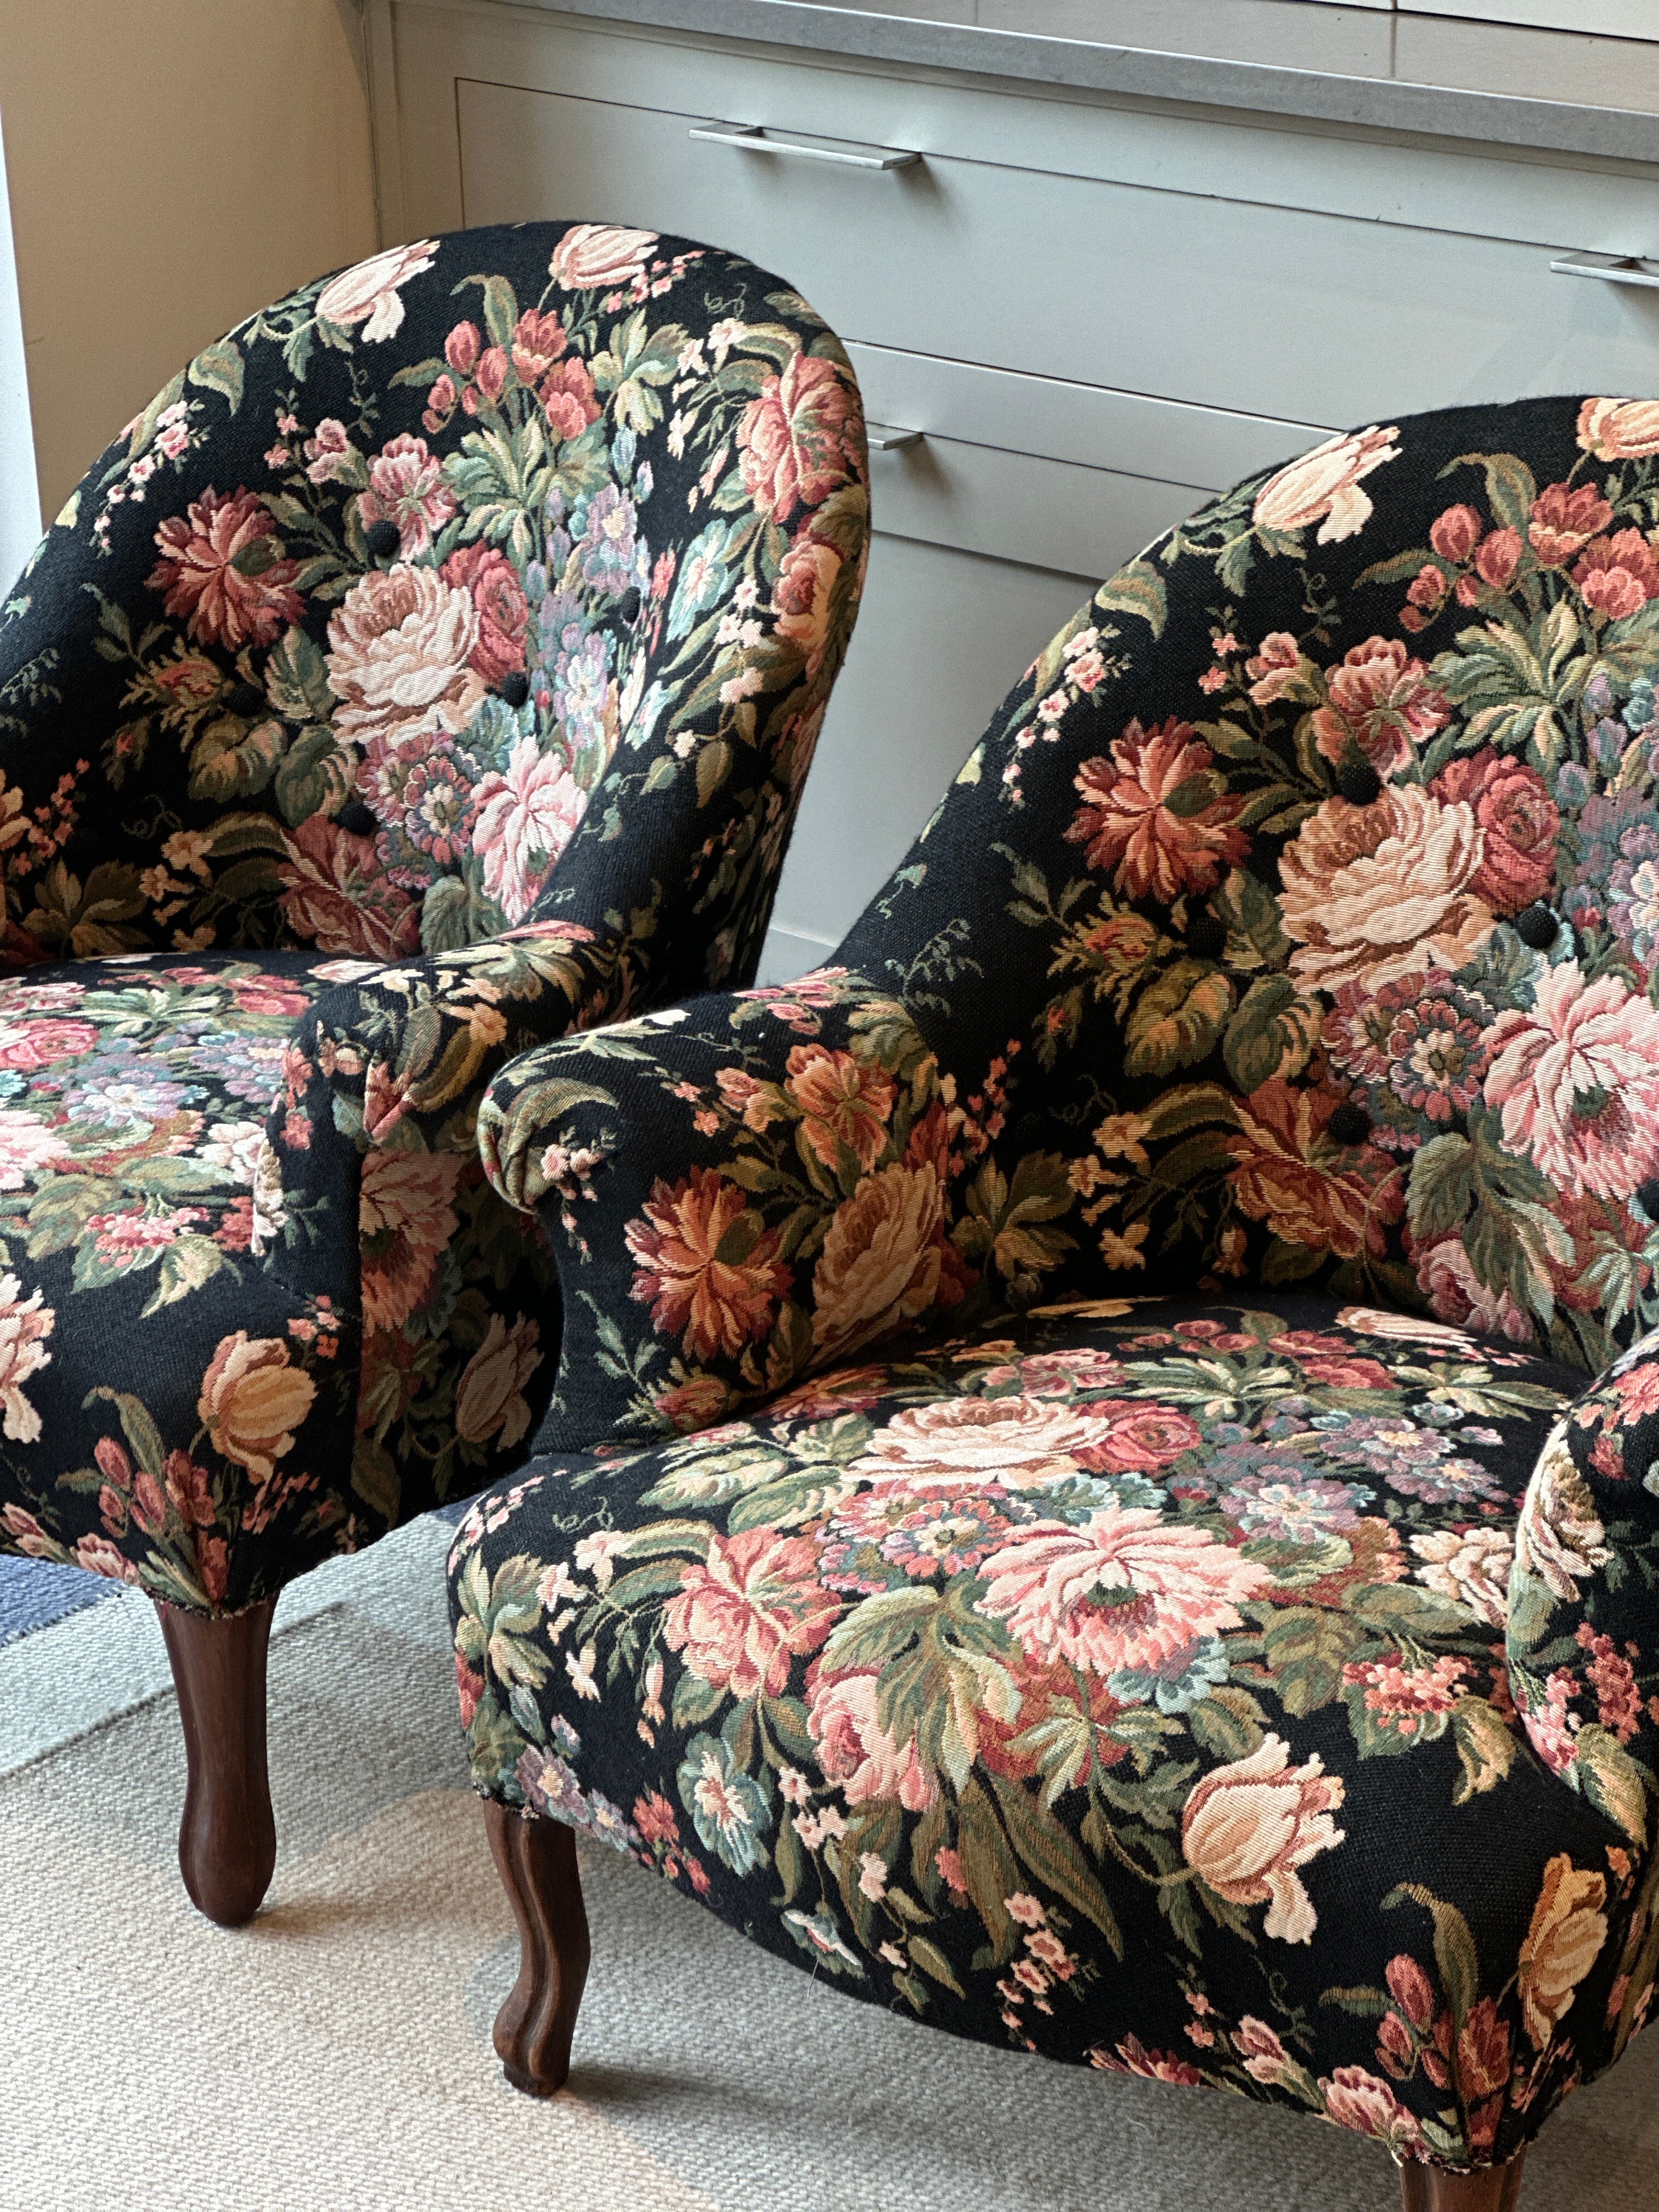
[1093, 309]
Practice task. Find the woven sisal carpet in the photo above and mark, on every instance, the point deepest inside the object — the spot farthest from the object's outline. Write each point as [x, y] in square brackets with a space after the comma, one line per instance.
[337, 2054]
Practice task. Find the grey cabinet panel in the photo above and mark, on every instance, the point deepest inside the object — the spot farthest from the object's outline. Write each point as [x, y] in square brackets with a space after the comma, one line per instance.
[942, 638]
[1018, 506]
[1263, 310]
[1602, 205]
[1064, 420]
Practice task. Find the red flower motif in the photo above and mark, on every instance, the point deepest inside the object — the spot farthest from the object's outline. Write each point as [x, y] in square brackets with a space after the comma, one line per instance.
[1158, 812]
[568, 399]
[1521, 821]
[503, 609]
[705, 1277]
[800, 438]
[1562, 521]
[222, 568]
[1618, 574]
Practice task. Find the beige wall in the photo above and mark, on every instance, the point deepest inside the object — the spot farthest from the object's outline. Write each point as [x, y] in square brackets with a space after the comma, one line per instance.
[172, 164]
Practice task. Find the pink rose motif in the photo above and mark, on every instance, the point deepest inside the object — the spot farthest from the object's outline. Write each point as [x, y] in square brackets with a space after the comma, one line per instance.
[594, 254]
[742, 1614]
[1577, 1077]
[406, 487]
[1381, 703]
[462, 348]
[503, 609]
[368, 293]
[801, 438]
[26, 1145]
[400, 657]
[1123, 1590]
[1371, 893]
[856, 1752]
[527, 816]
[1248, 1826]
[1323, 486]
[1519, 822]
[29, 1045]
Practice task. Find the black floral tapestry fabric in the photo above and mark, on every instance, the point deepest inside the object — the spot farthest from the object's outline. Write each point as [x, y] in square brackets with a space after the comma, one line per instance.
[432, 667]
[1101, 1485]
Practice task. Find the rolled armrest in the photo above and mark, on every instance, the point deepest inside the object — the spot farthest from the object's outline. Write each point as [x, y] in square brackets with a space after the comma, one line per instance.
[738, 1191]
[399, 1058]
[1583, 1632]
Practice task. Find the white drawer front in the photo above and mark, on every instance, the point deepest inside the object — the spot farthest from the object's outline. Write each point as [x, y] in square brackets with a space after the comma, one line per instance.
[1267, 311]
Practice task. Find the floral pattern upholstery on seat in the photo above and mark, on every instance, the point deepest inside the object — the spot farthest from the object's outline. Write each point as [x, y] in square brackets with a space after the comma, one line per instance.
[1128, 1685]
[433, 667]
[1285, 955]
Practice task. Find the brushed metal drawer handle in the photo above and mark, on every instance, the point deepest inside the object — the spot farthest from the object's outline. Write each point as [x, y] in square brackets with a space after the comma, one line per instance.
[1612, 268]
[885, 438]
[751, 136]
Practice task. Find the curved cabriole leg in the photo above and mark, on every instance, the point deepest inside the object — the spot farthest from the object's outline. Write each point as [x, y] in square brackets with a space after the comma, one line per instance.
[1495, 2189]
[537, 1862]
[227, 1835]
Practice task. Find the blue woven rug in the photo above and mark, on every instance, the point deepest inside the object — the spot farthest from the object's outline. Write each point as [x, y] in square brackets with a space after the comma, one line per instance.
[34, 1595]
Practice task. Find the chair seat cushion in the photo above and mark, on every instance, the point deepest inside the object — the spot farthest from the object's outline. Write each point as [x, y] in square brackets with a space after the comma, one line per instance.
[1125, 1685]
[150, 1371]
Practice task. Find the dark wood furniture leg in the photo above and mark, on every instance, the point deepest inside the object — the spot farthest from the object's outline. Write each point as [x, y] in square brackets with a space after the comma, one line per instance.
[537, 1862]
[1495, 2189]
[227, 1835]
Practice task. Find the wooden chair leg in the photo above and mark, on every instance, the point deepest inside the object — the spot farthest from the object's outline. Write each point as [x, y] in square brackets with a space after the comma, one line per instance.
[1494, 2189]
[536, 1861]
[227, 1835]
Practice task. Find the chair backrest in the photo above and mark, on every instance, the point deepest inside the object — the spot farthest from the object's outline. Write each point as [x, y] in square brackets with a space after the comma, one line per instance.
[491, 536]
[1297, 922]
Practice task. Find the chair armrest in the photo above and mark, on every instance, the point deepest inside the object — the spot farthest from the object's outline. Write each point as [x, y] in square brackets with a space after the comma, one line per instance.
[1583, 1630]
[399, 1059]
[738, 1191]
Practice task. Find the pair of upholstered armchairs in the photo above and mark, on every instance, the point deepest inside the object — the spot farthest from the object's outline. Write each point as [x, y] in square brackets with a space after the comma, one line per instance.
[1088, 1470]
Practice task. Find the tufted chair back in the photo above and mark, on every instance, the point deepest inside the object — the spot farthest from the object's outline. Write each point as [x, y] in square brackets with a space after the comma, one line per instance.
[405, 603]
[1295, 923]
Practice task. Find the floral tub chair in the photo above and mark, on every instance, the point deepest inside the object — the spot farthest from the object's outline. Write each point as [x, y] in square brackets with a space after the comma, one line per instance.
[432, 667]
[1103, 1488]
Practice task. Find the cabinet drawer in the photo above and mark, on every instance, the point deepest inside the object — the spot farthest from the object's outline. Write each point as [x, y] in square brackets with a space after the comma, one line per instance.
[1054, 474]
[1267, 311]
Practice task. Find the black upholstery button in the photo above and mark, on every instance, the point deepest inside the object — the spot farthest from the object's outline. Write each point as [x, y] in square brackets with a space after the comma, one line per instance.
[382, 540]
[1205, 936]
[1357, 780]
[513, 688]
[246, 700]
[1350, 1124]
[1647, 1197]
[357, 819]
[629, 605]
[1537, 927]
